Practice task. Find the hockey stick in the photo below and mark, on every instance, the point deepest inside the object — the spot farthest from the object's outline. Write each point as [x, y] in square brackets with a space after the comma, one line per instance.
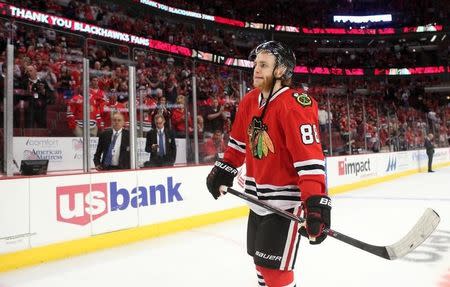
[421, 230]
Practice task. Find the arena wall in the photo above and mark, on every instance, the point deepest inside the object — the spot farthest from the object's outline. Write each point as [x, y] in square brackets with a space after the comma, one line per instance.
[52, 217]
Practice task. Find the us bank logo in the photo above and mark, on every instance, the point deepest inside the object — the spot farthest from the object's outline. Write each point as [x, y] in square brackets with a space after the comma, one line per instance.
[392, 164]
[82, 204]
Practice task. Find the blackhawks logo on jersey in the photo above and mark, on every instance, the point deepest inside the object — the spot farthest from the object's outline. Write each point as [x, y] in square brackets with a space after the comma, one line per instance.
[303, 99]
[259, 139]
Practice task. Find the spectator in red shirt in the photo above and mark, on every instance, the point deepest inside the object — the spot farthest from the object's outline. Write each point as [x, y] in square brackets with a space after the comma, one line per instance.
[178, 118]
[148, 106]
[96, 93]
[214, 147]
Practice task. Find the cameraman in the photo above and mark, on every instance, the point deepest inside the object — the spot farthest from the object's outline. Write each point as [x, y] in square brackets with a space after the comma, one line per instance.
[37, 95]
[215, 117]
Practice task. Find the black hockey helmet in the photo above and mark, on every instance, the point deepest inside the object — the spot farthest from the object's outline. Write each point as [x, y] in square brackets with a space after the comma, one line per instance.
[284, 57]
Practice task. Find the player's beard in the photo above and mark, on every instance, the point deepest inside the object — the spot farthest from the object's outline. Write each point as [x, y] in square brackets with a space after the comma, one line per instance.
[264, 84]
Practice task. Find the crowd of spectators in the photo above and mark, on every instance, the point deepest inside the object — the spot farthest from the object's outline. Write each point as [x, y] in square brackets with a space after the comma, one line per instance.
[48, 97]
[379, 54]
[136, 19]
[318, 13]
[393, 116]
[48, 88]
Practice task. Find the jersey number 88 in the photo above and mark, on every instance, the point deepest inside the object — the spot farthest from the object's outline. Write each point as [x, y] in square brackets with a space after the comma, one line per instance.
[309, 134]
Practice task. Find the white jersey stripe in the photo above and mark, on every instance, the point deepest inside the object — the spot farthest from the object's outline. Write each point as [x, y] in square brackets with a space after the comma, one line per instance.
[274, 96]
[283, 204]
[309, 162]
[313, 171]
[261, 280]
[289, 247]
[269, 186]
[276, 193]
[278, 189]
[238, 142]
[236, 147]
[297, 212]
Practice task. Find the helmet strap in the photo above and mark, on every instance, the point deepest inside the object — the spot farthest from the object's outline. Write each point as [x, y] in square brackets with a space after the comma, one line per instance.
[274, 80]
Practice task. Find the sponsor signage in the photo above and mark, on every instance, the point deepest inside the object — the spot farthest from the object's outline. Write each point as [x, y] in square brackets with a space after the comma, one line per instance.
[81, 204]
[348, 166]
[43, 148]
[66, 153]
[38, 211]
[392, 164]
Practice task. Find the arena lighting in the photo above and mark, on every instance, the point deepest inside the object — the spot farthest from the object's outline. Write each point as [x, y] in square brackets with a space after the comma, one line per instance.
[421, 29]
[363, 19]
[345, 31]
[443, 37]
[328, 71]
[410, 71]
[433, 38]
[278, 27]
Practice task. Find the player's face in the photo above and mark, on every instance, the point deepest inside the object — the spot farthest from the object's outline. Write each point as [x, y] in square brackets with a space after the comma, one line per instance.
[263, 71]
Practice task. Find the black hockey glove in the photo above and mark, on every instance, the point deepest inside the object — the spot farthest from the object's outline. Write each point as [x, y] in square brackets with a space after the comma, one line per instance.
[221, 174]
[318, 217]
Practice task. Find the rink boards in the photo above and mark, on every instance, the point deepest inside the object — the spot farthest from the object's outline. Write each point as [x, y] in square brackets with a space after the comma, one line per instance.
[52, 217]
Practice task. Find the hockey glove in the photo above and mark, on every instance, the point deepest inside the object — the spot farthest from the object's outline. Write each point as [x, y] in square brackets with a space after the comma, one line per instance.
[318, 217]
[221, 174]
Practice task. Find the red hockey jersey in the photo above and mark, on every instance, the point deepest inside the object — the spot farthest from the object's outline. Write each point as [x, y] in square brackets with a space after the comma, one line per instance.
[75, 112]
[108, 109]
[285, 163]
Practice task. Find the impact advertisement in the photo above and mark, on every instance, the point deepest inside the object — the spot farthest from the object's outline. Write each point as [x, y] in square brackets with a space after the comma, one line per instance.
[342, 170]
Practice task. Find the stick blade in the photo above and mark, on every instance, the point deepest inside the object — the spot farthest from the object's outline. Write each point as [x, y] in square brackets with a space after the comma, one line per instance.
[418, 234]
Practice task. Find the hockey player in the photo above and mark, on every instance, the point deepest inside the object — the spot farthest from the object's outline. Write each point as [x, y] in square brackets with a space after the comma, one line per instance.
[276, 133]
[75, 116]
[112, 106]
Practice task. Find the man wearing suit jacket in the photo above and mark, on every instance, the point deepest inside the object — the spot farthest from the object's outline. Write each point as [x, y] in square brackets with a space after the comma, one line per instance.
[113, 149]
[160, 144]
[430, 150]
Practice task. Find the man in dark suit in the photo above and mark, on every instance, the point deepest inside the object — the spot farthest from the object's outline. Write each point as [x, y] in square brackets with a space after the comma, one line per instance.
[160, 144]
[430, 150]
[113, 149]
